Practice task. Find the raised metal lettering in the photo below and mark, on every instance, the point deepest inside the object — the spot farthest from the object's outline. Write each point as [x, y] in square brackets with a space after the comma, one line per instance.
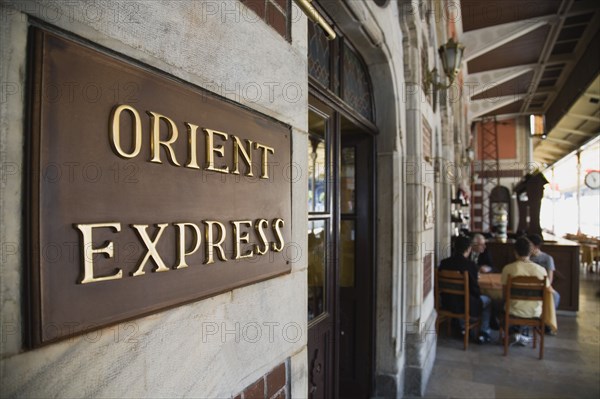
[181, 242]
[156, 142]
[151, 247]
[210, 242]
[211, 149]
[89, 251]
[115, 131]
[240, 237]
[277, 224]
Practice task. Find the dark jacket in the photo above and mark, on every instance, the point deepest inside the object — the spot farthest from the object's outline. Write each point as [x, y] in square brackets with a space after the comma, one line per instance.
[455, 303]
[484, 258]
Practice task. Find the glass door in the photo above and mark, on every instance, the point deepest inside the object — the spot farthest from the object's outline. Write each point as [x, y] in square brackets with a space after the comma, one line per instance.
[340, 255]
[321, 265]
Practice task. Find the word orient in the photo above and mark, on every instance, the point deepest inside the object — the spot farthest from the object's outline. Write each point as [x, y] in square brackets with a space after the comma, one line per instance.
[215, 235]
[238, 148]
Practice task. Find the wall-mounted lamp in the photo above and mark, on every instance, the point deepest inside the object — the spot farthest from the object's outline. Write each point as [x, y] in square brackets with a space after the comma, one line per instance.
[537, 126]
[451, 55]
[470, 154]
[312, 14]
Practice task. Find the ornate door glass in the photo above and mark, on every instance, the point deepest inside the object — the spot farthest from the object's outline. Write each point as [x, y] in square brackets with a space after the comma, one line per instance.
[317, 267]
[317, 164]
[319, 225]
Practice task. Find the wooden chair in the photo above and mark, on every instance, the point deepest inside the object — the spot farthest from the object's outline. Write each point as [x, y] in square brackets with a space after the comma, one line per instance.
[453, 283]
[524, 288]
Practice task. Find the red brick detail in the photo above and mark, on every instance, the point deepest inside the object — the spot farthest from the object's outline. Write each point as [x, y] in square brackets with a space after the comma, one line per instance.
[271, 14]
[272, 385]
[280, 395]
[518, 173]
[256, 390]
[276, 380]
[258, 6]
[283, 4]
[276, 19]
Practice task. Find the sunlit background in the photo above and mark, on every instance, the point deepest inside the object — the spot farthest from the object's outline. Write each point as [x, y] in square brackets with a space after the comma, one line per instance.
[559, 213]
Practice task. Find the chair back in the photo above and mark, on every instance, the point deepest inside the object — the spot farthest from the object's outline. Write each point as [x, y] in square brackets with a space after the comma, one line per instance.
[452, 282]
[525, 288]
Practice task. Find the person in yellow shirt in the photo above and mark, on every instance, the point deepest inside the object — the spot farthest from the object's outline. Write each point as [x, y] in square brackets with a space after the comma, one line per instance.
[546, 261]
[523, 266]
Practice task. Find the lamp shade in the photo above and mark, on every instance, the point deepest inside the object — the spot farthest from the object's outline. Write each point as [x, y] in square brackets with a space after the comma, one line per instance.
[537, 126]
[451, 54]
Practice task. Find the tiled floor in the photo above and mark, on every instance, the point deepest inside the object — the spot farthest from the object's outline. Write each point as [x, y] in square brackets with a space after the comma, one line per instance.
[570, 368]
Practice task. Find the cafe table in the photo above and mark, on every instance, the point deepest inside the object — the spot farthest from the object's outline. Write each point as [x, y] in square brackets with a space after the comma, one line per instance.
[490, 284]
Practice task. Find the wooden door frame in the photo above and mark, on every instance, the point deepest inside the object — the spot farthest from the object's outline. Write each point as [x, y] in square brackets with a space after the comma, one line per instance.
[340, 109]
[369, 241]
[320, 322]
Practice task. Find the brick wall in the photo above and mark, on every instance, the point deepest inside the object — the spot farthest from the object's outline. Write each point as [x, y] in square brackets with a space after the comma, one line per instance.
[275, 13]
[273, 385]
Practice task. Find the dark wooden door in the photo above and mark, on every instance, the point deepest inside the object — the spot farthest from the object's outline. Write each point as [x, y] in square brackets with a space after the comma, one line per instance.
[355, 266]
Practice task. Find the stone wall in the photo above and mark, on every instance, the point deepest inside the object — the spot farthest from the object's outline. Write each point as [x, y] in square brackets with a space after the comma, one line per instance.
[211, 348]
[241, 51]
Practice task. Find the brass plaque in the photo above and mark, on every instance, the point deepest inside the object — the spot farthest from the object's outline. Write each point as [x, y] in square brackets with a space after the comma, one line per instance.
[144, 192]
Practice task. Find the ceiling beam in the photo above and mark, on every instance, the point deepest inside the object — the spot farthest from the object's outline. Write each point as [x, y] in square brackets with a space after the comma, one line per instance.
[484, 40]
[585, 117]
[545, 90]
[559, 59]
[477, 83]
[592, 95]
[551, 39]
[560, 141]
[583, 7]
[574, 131]
[552, 159]
[544, 157]
[503, 117]
[481, 107]
[552, 150]
[578, 78]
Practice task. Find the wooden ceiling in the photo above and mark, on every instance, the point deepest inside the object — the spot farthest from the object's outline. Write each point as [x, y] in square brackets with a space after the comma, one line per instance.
[523, 50]
[535, 57]
[478, 14]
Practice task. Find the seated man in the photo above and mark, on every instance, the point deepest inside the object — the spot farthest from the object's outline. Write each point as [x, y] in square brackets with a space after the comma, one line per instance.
[480, 254]
[523, 266]
[479, 304]
[544, 260]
